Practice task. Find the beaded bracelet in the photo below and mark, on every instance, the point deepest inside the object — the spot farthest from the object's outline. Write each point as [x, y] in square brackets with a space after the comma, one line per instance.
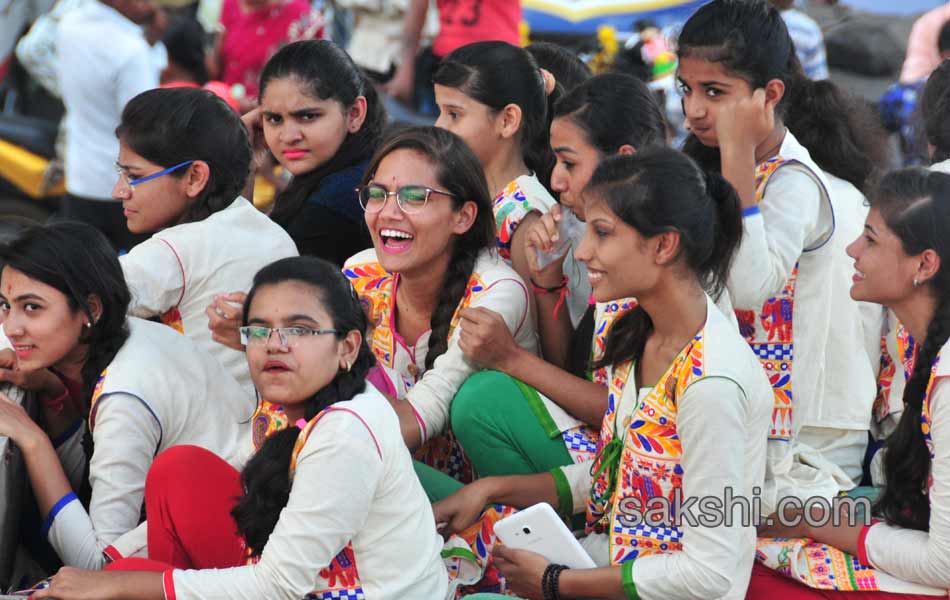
[550, 581]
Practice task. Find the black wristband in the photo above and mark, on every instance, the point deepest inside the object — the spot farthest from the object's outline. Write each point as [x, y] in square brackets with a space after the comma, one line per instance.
[550, 583]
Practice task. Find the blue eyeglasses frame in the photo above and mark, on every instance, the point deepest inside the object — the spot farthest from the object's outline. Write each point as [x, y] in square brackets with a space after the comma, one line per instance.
[172, 169]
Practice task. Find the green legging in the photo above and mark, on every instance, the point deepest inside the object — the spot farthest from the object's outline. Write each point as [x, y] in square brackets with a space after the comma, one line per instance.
[498, 422]
[504, 428]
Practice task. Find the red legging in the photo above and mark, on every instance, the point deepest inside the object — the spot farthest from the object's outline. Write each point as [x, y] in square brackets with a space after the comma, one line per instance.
[767, 584]
[189, 494]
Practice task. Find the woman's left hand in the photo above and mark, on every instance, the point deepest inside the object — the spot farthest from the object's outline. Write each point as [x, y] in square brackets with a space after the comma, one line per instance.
[486, 340]
[16, 424]
[522, 569]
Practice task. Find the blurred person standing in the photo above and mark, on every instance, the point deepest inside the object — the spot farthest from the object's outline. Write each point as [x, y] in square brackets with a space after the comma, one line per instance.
[254, 30]
[104, 59]
[461, 22]
[377, 32]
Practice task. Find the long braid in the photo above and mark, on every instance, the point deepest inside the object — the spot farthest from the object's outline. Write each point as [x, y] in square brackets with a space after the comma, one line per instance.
[907, 460]
[453, 289]
[266, 477]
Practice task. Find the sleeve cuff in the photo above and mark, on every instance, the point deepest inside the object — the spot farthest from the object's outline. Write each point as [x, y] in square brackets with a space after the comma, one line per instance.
[862, 543]
[422, 424]
[60, 505]
[751, 210]
[168, 584]
[629, 587]
[64, 437]
[565, 498]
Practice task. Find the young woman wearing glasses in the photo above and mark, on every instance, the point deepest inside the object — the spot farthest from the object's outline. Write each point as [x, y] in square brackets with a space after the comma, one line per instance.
[295, 522]
[428, 211]
[183, 160]
[115, 391]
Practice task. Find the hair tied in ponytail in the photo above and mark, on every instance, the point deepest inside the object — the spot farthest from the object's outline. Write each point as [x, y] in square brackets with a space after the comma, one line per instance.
[550, 82]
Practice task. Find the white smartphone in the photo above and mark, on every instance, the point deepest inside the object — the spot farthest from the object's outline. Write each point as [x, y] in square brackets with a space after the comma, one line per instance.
[539, 529]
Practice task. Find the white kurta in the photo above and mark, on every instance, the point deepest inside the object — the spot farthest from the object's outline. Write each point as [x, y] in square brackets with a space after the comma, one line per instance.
[804, 220]
[159, 391]
[354, 483]
[185, 266]
[923, 557]
[722, 421]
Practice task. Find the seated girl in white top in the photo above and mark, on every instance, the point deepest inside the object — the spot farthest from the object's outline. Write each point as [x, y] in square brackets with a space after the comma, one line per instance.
[901, 261]
[183, 161]
[494, 96]
[739, 77]
[115, 390]
[329, 507]
[689, 404]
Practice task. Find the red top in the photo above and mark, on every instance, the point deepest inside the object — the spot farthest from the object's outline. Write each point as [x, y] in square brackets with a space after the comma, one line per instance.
[463, 22]
[250, 38]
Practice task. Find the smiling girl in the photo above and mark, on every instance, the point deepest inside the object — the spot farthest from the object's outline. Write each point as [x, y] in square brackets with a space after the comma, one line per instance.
[322, 119]
[688, 408]
[429, 214]
[326, 508]
[183, 161]
[739, 73]
[115, 391]
[899, 262]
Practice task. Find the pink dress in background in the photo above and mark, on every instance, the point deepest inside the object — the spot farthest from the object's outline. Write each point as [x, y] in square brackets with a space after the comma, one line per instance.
[251, 38]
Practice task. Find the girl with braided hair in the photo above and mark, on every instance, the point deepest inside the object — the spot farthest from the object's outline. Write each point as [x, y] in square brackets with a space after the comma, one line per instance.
[432, 259]
[899, 262]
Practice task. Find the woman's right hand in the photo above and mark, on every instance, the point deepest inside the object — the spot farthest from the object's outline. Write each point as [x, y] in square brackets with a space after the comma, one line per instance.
[225, 317]
[254, 123]
[459, 511]
[41, 380]
[542, 235]
[746, 122]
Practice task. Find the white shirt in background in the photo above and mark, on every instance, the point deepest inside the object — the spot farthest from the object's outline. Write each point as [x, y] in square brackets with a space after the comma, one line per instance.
[103, 62]
[185, 266]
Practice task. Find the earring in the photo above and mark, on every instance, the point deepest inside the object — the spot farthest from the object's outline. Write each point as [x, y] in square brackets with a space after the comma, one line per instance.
[88, 325]
[347, 365]
[916, 282]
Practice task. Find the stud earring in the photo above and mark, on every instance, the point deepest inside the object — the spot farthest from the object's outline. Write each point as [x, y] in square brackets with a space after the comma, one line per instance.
[916, 282]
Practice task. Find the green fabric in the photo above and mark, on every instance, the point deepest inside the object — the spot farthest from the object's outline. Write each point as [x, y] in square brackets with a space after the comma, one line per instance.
[629, 587]
[565, 496]
[436, 484]
[533, 399]
[496, 424]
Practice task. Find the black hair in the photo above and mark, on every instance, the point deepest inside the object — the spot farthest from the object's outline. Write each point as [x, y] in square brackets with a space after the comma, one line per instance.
[326, 72]
[497, 74]
[915, 204]
[749, 38]
[567, 67]
[934, 107]
[943, 38]
[79, 261]
[458, 172]
[170, 126]
[185, 43]
[660, 190]
[266, 477]
[614, 109]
